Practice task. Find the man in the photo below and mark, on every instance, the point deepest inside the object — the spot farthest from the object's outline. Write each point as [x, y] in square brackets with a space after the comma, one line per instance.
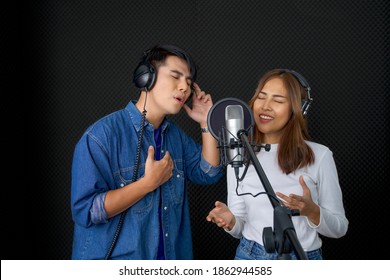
[129, 197]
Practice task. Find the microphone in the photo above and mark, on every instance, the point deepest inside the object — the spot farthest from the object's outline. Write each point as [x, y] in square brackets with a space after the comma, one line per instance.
[234, 121]
[225, 119]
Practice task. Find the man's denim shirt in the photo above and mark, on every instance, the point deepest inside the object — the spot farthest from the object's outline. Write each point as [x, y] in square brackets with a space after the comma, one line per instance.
[104, 159]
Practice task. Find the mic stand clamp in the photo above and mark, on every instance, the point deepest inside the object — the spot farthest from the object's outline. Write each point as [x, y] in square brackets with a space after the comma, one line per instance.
[275, 240]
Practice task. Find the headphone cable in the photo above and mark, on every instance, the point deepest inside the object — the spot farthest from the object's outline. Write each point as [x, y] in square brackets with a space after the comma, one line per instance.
[135, 173]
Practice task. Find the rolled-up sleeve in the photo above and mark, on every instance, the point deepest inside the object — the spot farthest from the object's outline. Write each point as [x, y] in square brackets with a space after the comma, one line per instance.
[209, 169]
[98, 213]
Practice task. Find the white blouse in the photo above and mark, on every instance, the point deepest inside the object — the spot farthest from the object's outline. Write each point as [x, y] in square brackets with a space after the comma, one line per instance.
[254, 213]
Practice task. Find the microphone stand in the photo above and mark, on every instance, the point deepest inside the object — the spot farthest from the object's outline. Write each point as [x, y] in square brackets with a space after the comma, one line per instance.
[283, 226]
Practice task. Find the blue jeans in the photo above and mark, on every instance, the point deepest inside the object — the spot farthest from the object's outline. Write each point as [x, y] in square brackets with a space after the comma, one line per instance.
[251, 250]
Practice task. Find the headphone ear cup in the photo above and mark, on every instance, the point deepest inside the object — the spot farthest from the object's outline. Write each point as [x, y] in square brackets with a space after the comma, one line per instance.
[305, 104]
[144, 76]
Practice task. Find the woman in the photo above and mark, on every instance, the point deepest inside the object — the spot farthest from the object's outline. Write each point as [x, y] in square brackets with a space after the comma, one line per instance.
[302, 173]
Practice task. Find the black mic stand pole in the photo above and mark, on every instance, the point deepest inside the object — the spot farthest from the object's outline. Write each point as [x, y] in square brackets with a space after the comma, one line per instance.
[283, 226]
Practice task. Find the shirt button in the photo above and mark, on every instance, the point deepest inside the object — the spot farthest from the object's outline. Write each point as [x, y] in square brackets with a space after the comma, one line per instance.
[177, 176]
[165, 208]
[122, 185]
[166, 235]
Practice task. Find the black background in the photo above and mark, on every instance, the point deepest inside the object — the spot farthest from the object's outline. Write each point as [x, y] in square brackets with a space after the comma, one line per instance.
[76, 63]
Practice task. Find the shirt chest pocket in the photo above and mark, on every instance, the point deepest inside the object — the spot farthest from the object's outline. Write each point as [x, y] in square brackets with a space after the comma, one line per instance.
[124, 177]
[176, 184]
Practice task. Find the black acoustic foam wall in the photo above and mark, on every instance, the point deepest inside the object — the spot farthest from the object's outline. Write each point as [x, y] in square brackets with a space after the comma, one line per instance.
[77, 59]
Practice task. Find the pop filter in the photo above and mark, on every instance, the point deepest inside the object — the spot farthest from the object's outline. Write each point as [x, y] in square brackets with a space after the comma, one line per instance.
[216, 121]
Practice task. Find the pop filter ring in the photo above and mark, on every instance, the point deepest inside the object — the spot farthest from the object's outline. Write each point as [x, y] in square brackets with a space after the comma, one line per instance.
[216, 116]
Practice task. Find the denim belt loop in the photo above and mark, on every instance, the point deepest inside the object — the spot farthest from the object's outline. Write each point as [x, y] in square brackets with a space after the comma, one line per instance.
[251, 244]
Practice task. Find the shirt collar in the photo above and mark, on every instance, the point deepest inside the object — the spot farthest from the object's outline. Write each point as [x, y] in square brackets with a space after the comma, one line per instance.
[136, 117]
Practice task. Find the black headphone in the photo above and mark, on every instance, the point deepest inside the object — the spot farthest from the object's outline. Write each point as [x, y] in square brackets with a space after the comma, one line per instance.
[308, 100]
[144, 75]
